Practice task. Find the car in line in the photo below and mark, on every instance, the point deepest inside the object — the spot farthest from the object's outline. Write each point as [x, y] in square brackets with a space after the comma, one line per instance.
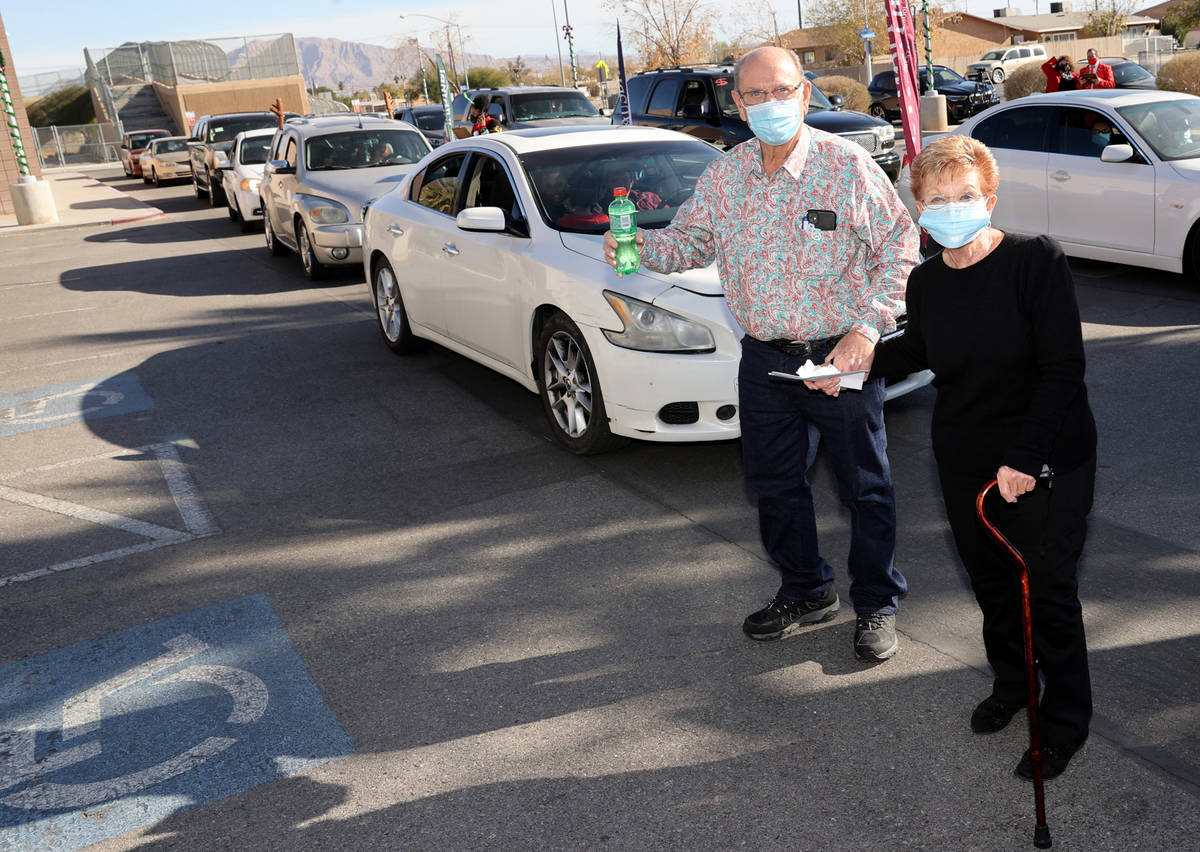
[698, 100]
[964, 98]
[320, 174]
[165, 158]
[242, 175]
[1127, 74]
[482, 249]
[996, 65]
[517, 107]
[212, 137]
[430, 120]
[1129, 196]
[133, 144]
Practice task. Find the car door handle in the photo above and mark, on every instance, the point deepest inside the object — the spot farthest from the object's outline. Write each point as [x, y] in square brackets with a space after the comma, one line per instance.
[449, 249]
[1061, 175]
[396, 229]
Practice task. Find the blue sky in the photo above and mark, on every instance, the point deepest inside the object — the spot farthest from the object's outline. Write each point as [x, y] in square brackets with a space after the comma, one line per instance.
[49, 35]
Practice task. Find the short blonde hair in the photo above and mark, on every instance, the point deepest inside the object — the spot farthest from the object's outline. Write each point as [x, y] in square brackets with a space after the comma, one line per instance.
[953, 155]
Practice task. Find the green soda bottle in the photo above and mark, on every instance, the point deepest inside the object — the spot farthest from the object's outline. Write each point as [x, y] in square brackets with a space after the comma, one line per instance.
[622, 221]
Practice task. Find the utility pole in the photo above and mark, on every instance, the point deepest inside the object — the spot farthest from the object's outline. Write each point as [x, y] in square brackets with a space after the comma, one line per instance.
[799, 15]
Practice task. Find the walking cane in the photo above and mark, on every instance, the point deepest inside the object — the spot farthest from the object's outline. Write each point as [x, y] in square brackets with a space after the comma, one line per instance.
[1041, 832]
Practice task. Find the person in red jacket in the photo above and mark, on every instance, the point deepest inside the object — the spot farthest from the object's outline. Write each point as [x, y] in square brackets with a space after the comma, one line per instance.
[482, 122]
[1096, 75]
[1060, 76]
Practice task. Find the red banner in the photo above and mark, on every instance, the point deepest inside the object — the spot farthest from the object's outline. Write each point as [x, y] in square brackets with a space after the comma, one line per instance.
[902, 35]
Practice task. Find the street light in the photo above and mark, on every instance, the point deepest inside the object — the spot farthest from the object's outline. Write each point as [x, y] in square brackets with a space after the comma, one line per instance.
[449, 24]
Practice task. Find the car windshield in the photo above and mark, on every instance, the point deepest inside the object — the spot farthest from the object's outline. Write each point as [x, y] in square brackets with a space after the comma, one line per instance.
[362, 149]
[429, 120]
[140, 140]
[1171, 128]
[1129, 72]
[254, 150]
[170, 146]
[573, 186]
[539, 105]
[817, 99]
[226, 130]
[992, 55]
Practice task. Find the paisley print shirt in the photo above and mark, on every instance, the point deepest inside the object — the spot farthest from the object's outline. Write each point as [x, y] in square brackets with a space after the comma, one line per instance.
[782, 277]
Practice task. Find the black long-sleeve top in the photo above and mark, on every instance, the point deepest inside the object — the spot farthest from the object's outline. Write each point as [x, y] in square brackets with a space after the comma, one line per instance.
[1004, 340]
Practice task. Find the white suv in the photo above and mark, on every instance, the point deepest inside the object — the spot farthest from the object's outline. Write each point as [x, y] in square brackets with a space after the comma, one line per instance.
[997, 64]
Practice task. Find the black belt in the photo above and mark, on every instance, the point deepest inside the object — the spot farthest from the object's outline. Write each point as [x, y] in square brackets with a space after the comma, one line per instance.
[803, 348]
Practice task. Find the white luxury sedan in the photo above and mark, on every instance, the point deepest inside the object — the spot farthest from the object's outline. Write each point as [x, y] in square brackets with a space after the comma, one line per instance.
[1112, 174]
[493, 247]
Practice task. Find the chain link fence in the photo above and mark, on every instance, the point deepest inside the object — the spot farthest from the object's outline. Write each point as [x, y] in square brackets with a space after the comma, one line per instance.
[215, 60]
[76, 144]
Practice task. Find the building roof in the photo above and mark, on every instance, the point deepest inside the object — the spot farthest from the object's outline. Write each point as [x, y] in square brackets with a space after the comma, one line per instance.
[1058, 21]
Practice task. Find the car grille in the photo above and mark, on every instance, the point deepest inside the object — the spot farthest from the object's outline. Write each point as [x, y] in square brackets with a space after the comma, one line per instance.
[679, 413]
[869, 141]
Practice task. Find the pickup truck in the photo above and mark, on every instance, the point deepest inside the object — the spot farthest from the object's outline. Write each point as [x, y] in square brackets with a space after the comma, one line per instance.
[520, 107]
[209, 145]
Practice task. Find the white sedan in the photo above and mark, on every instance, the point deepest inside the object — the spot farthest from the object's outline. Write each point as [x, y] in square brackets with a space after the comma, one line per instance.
[493, 247]
[1130, 196]
[241, 176]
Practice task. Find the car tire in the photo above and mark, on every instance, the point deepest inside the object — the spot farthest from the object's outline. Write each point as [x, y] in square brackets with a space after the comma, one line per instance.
[155, 179]
[200, 193]
[274, 247]
[997, 75]
[878, 111]
[314, 270]
[128, 171]
[245, 224]
[1191, 254]
[234, 214]
[570, 389]
[213, 192]
[389, 310]
[145, 177]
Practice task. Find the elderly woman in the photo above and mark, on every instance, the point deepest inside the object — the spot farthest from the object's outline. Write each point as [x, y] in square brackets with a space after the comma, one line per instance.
[994, 316]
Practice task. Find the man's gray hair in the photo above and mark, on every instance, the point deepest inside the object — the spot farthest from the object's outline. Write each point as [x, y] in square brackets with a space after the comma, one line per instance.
[737, 68]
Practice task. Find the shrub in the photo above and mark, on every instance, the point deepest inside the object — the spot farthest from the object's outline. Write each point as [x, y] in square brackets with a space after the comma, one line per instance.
[853, 91]
[1181, 74]
[1024, 80]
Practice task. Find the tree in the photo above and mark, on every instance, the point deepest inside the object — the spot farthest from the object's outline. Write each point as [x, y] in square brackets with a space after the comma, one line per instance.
[517, 70]
[667, 32]
[1108, 19]
[845, 18]
[486, 78]
[1181, 18]
[342, 86]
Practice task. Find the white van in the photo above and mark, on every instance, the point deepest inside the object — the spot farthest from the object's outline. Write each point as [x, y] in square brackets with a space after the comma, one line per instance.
[997, 64]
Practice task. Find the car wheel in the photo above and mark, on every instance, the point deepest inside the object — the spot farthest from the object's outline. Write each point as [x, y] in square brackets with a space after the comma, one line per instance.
[878, 111]
[154, 178]
[125, 168]
[1191, 254]
[196, 187]
[314, 270]
[997, 75]
[274, 247]
[389, 307]
[213, 192]
[234, 214]
[146, 177]
[570, 389]
[243, 223]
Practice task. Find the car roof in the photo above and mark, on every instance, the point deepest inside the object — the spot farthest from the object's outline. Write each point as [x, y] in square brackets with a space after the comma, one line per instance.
[689, 69]
[262, 131]
[343, 122]
[1111, 97]
[519, 90]
[545, 138]
[171, 138]
[255, 114]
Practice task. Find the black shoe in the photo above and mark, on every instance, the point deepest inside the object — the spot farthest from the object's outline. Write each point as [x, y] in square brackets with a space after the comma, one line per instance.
[875, 637]
[1054, 761]
[992, 715]
[781, 617]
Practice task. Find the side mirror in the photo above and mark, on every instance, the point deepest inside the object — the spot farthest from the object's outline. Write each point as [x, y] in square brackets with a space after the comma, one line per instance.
[279, 167]
[837, 101]
[193, 139]
[481, 219]
[1116, 153]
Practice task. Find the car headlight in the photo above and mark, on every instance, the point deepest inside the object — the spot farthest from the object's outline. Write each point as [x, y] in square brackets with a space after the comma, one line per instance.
[652, 329]
[328, 213]
[250, 184]
[887, 136]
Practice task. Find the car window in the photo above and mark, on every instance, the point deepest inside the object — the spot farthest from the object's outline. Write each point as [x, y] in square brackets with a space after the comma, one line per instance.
[361, 149]
[573, 186]
[254, 150]
[436, 186]
[664, 97]
[1012, 54]
[992, 56]
[170, 146]
[141, 140]
[1085, 132]
[723, 86]
[945, 77]
[489, 186]
[224, 131]
[539, 105]
[289, 153]
[1022, 129]
[1129, 72]
[693, 94]
[428, 120]
[1023, 53]
[1171, 128]
[886, 80]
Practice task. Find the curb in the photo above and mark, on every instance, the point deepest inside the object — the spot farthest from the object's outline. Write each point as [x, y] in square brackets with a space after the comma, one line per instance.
[15, 230]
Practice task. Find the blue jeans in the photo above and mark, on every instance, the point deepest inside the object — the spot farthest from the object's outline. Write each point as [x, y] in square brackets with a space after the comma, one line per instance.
[782, 424]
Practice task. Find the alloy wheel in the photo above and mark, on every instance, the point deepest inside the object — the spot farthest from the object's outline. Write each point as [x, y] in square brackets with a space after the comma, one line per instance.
[568, 384]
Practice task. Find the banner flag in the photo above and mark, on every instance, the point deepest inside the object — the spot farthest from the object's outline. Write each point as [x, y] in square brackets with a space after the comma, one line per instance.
[902, 35]
[625, 113]
[447, 112]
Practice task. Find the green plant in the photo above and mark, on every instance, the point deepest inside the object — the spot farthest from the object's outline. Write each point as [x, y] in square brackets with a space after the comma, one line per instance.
[1181, 74]
[854, 92]
[1024, 80]
[69, 105]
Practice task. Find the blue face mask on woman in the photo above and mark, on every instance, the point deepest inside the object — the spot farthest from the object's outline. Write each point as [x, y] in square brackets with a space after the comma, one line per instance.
[955, 224]
[775, 122]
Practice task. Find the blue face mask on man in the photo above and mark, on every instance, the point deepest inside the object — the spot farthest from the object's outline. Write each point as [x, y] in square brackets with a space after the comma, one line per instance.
[775, 122]
[955, 224]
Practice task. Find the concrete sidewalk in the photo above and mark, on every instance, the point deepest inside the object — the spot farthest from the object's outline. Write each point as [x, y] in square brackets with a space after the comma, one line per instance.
[83, 201]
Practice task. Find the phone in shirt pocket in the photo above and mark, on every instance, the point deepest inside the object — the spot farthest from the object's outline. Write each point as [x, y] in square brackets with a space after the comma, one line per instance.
[820, 220]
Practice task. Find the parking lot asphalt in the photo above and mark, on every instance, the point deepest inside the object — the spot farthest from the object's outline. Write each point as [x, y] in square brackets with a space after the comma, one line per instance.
[469, 639]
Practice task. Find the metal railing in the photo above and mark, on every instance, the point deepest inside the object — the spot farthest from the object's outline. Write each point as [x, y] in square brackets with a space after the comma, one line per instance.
[76, 144]
[213, 60]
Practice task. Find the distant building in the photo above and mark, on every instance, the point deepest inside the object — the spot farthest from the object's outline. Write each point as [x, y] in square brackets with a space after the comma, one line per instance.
[1061, 23]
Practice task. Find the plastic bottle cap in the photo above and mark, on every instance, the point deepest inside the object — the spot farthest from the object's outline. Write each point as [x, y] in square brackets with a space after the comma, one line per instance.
[620, 192]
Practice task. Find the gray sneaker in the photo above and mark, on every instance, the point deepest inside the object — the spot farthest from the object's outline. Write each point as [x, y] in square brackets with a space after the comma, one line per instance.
[875, 637]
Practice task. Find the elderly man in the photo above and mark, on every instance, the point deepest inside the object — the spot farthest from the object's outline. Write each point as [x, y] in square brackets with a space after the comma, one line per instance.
[1095, 74]
[813, 249]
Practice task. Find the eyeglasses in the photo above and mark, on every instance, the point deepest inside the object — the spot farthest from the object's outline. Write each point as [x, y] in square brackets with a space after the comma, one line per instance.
[940, 202]
[758, 96]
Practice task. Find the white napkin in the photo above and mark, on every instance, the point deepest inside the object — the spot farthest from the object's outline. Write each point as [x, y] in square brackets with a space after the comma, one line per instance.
[852, 380]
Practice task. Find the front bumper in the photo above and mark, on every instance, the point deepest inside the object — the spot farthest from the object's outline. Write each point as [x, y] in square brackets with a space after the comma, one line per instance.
[249, 204]
[889, 161]
[348, 237]
[171, 171]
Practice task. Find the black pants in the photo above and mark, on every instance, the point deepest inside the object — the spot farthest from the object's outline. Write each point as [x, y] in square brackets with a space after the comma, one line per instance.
[1048, 527]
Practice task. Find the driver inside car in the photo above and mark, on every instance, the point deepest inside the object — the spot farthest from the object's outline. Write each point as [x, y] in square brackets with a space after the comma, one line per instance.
[622, 174]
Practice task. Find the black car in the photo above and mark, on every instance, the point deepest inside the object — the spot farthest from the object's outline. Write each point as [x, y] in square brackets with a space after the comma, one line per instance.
[698, 100]
[430, 120]
[964, 98]
[1127, 74]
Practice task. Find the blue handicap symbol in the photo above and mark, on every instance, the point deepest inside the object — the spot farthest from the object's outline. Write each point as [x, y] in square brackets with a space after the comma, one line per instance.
[148, 721]
[83, 399]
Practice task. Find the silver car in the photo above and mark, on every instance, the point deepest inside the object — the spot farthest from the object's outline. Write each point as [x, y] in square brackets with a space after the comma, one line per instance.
[320, 173]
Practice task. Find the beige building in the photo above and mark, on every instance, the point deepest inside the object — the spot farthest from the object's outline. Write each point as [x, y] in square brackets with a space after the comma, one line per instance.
[9, 170]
